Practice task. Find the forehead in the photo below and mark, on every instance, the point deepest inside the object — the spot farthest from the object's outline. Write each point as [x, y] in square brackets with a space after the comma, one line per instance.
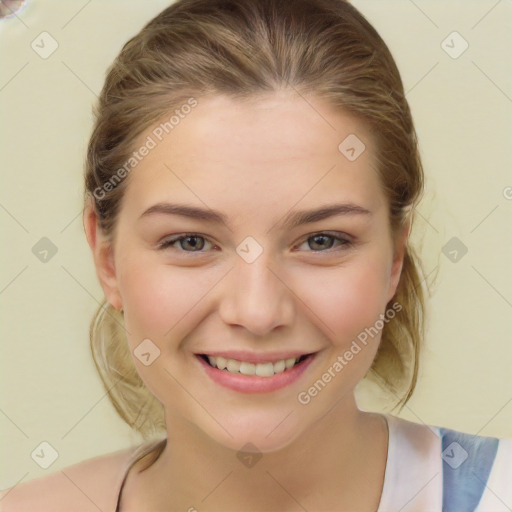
[286, 125]
[271, 151]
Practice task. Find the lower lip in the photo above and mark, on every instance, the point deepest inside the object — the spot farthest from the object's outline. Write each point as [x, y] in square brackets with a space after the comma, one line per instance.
[252, 383]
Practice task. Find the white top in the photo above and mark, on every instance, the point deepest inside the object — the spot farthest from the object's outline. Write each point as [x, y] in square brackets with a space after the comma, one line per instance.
[436, 469]
[428, 469]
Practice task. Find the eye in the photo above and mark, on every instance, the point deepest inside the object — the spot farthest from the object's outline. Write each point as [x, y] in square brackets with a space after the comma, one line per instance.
[194, 241]
[321, 241]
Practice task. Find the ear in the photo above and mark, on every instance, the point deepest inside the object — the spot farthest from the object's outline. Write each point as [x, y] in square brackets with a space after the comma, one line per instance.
[400, 245]
[102, 251]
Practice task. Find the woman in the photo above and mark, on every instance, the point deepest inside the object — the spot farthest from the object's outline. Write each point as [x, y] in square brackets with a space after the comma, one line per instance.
[250, 188]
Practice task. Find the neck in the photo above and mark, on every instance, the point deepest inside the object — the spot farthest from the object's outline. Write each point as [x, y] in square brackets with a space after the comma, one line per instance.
[340, 460]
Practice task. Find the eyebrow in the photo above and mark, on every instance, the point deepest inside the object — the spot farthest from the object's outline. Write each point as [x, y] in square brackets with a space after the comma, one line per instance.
[290, 221]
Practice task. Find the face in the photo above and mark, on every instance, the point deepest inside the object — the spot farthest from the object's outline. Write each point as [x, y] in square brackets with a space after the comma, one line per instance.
[244, 284]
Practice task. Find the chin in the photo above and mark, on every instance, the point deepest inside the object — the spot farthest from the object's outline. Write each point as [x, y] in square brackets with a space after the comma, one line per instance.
[258, 434]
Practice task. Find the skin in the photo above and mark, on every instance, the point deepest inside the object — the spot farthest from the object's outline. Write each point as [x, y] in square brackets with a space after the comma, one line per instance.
[255, 161]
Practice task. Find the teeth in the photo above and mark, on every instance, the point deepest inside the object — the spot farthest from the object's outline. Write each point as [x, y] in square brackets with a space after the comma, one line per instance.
[279, 366]
[233, 365]
[246, 368]
[264, 369]
[289, 362]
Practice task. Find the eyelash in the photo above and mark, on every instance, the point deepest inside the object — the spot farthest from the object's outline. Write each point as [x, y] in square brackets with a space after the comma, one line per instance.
[345, 242]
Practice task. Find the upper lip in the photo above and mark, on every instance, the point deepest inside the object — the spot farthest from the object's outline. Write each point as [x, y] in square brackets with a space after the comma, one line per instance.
[255, 357]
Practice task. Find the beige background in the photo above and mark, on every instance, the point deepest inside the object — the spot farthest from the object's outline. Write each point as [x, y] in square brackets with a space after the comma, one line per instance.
[463, 114]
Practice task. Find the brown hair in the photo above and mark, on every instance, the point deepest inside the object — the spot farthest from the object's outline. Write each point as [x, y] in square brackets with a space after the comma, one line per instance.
[247, 48]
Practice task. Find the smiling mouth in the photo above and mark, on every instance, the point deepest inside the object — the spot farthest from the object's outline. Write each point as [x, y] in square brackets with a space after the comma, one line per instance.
[267, 369]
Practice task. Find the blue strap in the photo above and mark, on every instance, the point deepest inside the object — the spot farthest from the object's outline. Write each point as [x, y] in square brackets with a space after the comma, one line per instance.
[467, 463]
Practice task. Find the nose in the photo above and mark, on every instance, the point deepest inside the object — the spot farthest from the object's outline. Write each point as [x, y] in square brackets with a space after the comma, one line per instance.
[257, 297]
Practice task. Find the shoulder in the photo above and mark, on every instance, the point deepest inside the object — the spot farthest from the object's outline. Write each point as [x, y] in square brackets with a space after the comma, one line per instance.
[454, 446]
[473, 471]
[90, 485]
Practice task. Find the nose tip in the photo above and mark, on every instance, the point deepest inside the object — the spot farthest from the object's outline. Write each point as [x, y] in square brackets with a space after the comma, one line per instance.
[256, 298]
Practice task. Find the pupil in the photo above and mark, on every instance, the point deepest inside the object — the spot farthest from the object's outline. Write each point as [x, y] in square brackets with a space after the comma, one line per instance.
[316, 237]
[194, 245]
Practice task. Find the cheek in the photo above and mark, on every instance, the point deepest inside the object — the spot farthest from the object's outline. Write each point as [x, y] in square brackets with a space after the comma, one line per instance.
[348, 299]
[160, 300]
